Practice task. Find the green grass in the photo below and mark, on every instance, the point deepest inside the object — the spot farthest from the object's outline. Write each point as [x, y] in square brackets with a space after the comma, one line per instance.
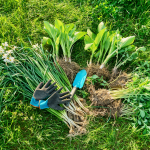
[130, 17]
[22, 19]
[25, 127]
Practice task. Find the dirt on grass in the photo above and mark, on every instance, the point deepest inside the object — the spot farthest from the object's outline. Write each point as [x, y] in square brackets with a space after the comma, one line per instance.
[71, 69]
[94, 69]
[103, 104]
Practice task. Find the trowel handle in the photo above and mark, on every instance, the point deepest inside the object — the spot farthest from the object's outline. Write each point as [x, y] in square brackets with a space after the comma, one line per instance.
[73, 91]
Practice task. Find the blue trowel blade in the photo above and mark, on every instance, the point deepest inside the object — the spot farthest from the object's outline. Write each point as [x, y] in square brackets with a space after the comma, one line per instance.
[80, 79]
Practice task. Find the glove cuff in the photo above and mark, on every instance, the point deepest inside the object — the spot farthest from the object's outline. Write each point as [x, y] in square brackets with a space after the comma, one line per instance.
[41, 104]
[34, 102]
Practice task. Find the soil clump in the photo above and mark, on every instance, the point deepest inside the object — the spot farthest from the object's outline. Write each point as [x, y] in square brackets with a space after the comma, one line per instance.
[94, 69]
[105, 105]
[70, 69]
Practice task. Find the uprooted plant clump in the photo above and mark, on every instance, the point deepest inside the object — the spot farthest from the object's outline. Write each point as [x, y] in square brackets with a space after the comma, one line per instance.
[107, 105]
[70, 68]
[94, 69]
[118, 81]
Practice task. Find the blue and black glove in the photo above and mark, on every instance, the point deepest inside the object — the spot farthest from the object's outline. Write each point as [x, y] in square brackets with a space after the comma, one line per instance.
[53, 101]
[43, 92]
[58, 98]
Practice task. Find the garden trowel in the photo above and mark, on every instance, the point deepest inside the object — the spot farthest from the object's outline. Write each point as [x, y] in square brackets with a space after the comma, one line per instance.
[78, 82]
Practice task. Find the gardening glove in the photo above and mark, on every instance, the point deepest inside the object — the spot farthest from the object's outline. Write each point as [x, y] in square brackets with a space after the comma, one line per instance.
[55, 99]
[45, 91]
[34, 102]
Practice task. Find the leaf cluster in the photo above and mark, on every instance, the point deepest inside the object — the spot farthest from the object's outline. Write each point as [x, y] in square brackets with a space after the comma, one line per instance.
[64, 35]
[95, 79]
[106, 44]
[137, 95]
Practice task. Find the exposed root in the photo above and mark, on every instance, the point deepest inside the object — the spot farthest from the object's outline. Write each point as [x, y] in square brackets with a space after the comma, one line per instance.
[76, 131]
[79, 118]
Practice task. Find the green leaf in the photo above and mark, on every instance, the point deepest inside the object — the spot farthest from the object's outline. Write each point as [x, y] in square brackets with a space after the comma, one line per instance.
[141, 49]
[142, 113]
[126, 41]
[57, 40]
[87, 46]
[134, 55]
[47, 28]
[59, 25]
[104, 38]
[69, 27]
[107, 44]
[63, 43]
[50, 29]
[112, 48]
[101, 26]
[94, 76]
[147, 87]
[145, 121]
[78, 35]
[97, 54]
[98, 39]
[91, 34]
[46, 40]
[88, 42]
[71, 32]
[139, 122]
[140, 105]
[145, 131]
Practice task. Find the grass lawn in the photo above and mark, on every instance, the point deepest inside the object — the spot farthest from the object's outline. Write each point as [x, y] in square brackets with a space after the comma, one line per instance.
[25, 127]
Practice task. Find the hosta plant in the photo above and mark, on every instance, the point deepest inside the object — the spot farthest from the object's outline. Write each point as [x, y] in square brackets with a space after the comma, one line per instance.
[106, 44]
[63, 35]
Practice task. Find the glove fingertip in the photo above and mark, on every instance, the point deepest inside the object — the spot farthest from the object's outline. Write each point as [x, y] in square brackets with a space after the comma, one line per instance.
[40, 85]
[59, 90]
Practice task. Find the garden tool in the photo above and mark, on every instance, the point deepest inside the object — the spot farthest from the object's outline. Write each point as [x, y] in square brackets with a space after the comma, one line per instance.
[53, 101]
[78, 82]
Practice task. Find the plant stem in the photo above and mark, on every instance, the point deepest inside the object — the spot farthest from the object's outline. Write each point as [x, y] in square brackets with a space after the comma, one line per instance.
[102, 66]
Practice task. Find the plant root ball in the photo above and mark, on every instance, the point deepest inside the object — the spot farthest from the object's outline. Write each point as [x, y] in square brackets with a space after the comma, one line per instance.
[94, 69]
[102, 99]
[118, 81]
[71, 69]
